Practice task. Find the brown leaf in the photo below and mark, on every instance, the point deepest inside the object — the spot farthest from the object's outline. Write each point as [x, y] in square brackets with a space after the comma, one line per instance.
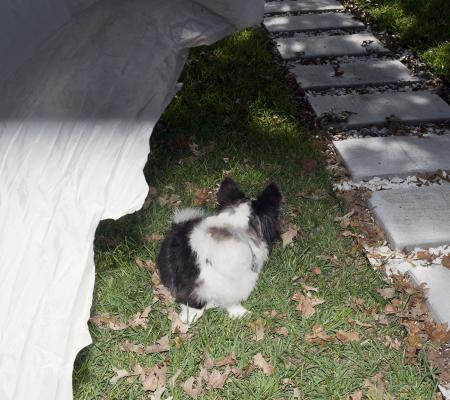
[446, 261]
[177, 325]
[392, 343]
[174, 378]
[140, 319]
[356, 395]
[259, 327]
[347, 336]
[345, 219]
[131, 347]
[306, 304]
[260, 362]
[282, 331]
[228, 360]
[149, 265]
[201, 197]
[192, 387]
[121, 373]
[160, 292]
[109, 321]
[154, 378]
[151, 194]
[154, 237]
[390, 309]
[317, 335]
[386, 293]
[438, 333]
[425, 256]
[161, 346]
[217, 379]
[288, 236]
[316, 271]
[172, 200]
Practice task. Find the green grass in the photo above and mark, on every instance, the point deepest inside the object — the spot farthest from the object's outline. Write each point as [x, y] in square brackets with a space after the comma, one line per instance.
[234, 96]
[423, 25]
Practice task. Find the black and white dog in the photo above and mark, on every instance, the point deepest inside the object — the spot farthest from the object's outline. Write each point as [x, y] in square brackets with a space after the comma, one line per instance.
[214, 261]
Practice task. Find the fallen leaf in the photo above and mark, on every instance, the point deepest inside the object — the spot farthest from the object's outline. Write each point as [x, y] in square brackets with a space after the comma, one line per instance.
[131, 347]
[308, 288]
[356, 395]
[172, 200]
[154, 237]
[192, 387]
[282, 331]
[154, 378]
[347, 336]
[446, 261]
[120, 373]
[438, 333]
[201, 197]
[160, 292]
[217, 379]
[149, 265]
[177, 325]
[260, 362]
[158, 393]
[259, 327]
[392, 343]
[306, 304]
[345, 221]
[228, 360]
[108, 320]
[288, 236]
[317, 271]
[140, 319]
[151, 194]
[174, 378]
[425, 256]
[390, 309]
[317, 335]
[386, 293]
[162, 345]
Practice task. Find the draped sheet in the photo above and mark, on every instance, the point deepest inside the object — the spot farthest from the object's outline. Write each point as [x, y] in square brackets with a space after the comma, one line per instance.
[76, 115]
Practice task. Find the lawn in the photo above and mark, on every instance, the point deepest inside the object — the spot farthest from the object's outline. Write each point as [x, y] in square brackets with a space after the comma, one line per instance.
[422, 25]
[235, 115]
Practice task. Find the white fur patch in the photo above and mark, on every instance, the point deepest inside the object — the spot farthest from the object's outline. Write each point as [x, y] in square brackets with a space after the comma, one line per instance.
[229, 261]
[186, 214]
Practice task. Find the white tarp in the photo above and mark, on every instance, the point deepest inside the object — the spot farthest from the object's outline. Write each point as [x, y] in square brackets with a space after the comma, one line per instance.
[76, 115]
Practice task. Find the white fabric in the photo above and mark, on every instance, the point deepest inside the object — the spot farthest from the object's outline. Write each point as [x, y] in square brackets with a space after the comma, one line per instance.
[75, 123]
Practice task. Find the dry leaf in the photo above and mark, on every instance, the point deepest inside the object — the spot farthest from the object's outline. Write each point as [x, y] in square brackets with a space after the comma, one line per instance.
[120, 373]
[108, 320]
[347, 336]
[307, 164]
[154, 378]
[386, 293]
[228, 360]
[131, 347]
[392, 343]
[306, 304]
[446, 261]
[149, 265]
[317, 335]
[425, 256]
[356, 395]
[140, 319]
[282, 331]
[288, 236]
[260, 362]
[259, 327]
[192, 387]
[161, 346]
[174, 378]
[316, 271]
[438, 333]
[158, 393]
[160, 292]
[201, 197]
[154, 237]
[217, 379]
[152, 193]
[177, 325]
[345, 220]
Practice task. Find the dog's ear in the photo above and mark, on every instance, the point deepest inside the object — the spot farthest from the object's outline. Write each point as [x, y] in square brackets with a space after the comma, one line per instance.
[229, 193]
[269, 201]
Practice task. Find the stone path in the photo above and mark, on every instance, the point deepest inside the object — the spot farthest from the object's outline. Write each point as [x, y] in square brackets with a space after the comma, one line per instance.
[349, 92]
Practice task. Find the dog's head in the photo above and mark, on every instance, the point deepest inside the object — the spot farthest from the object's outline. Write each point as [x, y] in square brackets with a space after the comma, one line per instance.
[260, 214]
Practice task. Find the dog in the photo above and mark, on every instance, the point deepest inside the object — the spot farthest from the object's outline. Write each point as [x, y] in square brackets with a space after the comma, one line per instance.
[210, 261]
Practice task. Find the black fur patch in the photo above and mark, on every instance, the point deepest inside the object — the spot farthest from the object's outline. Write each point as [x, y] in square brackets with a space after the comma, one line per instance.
[177, 264]
[220, 234]
[229, 193]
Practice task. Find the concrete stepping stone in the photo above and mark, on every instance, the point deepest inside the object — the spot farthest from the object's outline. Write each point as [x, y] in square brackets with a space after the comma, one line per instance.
[414, 217]
[373, 109]
[311, 22]
[329, 46]
[319, 77]
[274, 7]
[394, 156]
[437, 279]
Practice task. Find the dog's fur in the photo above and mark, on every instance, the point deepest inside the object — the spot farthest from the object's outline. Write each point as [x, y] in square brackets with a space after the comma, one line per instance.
[214, 261]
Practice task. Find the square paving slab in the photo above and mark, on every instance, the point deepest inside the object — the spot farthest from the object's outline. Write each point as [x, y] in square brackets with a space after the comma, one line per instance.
[437, 279]
[394, 156]
[311, 22]
[416, 217]
[329, 46]
[373, 109]
[274, 7]
[319, 77]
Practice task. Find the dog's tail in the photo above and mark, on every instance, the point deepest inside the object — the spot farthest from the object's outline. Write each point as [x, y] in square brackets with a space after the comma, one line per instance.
[187, 214]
